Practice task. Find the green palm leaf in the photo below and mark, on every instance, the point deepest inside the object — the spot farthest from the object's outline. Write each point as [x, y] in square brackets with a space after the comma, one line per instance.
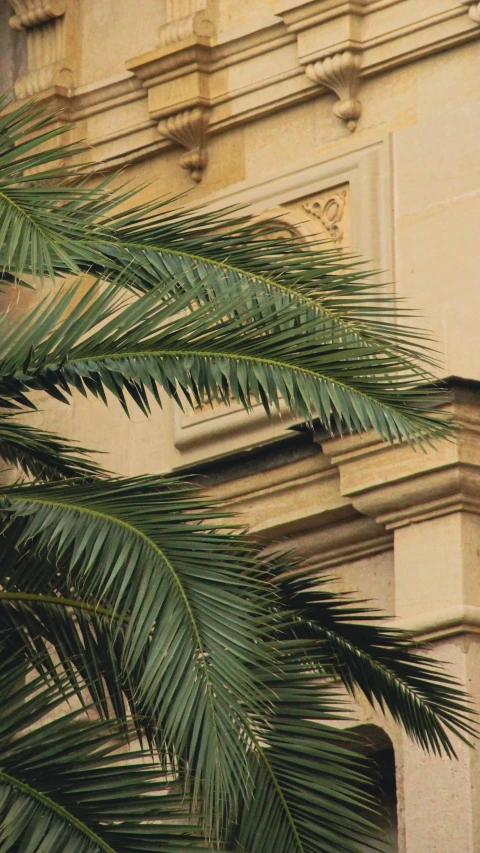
[44, 210]
[146, 549]
[386, 664]
[311, 789]
[70, 783]
[42, 455]
[221, 349]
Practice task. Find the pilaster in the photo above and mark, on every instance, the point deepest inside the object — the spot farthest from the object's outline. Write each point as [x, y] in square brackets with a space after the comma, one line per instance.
[50, 30]
[431, 502]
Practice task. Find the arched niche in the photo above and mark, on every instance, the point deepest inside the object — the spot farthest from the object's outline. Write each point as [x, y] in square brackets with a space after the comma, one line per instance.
[373, 742]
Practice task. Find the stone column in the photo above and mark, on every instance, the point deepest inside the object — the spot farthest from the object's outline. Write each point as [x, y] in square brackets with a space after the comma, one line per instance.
[431, 501]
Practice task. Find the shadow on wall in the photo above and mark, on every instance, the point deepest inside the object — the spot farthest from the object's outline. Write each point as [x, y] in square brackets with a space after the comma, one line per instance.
[377, 746]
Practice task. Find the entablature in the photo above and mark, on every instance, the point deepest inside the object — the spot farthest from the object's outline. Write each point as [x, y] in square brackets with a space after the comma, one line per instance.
[200, 81]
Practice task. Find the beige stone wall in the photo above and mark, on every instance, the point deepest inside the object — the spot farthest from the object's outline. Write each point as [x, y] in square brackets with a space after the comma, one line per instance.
[359, 122]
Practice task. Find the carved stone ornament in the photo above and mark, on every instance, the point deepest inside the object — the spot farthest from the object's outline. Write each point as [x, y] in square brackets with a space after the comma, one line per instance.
[187, 18]
[189, 129]
[46, 30]
[473, 10]
[29, 13]
[330, 213]
[341, 74]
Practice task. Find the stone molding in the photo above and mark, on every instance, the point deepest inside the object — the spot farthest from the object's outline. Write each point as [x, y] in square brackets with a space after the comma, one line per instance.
[190, 73]
[189, 129]
[397, 487]
[50, 34]
[473, 10]
[300, 502]
[338, 44]
[445, 622]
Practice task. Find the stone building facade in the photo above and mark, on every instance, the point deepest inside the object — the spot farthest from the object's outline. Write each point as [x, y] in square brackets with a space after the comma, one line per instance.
[357, 121]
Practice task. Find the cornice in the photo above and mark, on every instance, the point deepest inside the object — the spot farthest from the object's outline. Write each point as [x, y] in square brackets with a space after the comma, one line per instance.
[398, 487]
[443, 623]
[314, 48]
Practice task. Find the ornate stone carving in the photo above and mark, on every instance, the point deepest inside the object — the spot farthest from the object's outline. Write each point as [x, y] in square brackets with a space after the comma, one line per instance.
[330, 213]
[189, 129]
[44, 24]
[473, 10]
[29, 13]
[340, 73]
[187, 18]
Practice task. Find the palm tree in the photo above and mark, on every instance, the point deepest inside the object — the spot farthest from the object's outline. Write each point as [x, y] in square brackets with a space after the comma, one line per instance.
[164, 685]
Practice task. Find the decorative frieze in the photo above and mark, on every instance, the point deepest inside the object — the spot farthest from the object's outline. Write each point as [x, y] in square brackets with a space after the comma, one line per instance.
[341, 74]
[47, 32]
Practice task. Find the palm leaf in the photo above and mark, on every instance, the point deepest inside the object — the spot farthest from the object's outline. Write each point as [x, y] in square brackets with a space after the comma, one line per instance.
[45, 210]
[146, 549]
[312, 792]
[70, 783]
[224, 348]
[386, 664]
[42, 455]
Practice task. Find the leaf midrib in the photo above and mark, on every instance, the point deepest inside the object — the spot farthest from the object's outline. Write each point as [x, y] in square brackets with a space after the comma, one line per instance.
[395, 413]
[201, 657]
[236, 357]
[39, 598]
[336, 317]
[45, 800]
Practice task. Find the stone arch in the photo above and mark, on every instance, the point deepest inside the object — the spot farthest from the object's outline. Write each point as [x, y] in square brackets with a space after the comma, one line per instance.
[374, 743]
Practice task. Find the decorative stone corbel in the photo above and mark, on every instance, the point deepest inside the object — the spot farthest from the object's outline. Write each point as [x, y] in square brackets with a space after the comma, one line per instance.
[45, 25]
[341, 74]
[177, 76]
[189, 129]
[187, 19]
[473, 10]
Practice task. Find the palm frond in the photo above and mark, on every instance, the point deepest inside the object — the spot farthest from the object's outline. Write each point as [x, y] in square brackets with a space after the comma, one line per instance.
[70, 783]
[234, 253]
[45, 210]
[387, 665]
[41, 454]
[148, 550]
[312, 792]
[222, 349]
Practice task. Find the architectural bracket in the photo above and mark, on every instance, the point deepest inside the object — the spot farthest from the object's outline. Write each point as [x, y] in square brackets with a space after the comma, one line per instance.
[330, 48]
[341, 74]
[49, 26]
[177, 77]
[189, 129]
[29, 14]
[473, 10]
